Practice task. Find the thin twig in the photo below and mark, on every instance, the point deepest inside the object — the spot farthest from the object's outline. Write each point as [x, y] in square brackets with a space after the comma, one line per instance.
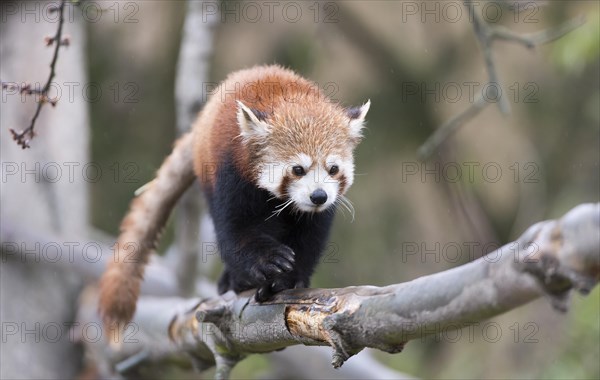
[450, 126]
[486, 35]
[531, 40]
[24, 137]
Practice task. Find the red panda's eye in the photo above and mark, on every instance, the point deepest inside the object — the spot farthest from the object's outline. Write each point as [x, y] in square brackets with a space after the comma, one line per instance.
[334, 170]
[298, 170]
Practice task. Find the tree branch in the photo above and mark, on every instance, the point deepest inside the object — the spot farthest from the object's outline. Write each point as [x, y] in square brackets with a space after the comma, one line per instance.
[86, 256]
[450, 126]
[24, 137]
[190, 94]
[531, 40]
[486, 34]
[549, 259]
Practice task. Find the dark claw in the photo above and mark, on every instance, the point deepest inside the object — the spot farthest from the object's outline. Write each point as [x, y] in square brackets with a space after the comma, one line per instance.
[263, 293]
[300, 284]
[280, 284]
[287, 253]
[258, 273]
[271, 270]
[281, 259]
[282, 263]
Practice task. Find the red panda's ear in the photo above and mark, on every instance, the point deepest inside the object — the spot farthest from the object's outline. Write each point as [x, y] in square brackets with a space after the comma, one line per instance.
[357, 119]
[251, 123]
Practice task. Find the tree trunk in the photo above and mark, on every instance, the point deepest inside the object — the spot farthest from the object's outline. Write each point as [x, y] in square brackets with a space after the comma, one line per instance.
[43, 188]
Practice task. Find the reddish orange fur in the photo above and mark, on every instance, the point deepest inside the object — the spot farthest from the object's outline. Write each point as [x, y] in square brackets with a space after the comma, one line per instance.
[120, 284]
[267, 87]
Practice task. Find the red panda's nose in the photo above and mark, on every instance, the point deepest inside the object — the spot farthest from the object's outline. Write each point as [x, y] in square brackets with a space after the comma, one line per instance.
[318, 197]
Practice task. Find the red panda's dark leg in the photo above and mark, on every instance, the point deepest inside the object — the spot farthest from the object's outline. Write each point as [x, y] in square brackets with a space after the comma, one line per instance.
[251, 244]
[308, 238]
[261, 250]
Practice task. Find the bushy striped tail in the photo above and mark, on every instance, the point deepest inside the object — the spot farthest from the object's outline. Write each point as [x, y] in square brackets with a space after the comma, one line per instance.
[140, 230]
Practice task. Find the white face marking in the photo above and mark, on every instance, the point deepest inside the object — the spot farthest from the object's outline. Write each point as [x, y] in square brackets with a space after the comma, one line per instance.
[318, 178]
[304, 160]
[274, 173]
[270, 176]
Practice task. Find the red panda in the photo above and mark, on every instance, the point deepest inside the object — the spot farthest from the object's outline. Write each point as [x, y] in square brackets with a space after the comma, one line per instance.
[274, 157]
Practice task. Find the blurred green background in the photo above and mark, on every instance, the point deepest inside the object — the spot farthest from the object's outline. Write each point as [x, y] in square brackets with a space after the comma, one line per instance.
[417, 69]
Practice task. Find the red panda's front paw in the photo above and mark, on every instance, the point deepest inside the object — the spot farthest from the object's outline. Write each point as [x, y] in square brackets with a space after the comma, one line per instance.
[273, 272]
[278, 261]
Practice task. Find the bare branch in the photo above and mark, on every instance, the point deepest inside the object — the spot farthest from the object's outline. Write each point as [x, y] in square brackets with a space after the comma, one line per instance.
[549, 259]
[531, 40]
[192, 71]
[486, 34]
[87, 256]
[23, 138]
[450, 126]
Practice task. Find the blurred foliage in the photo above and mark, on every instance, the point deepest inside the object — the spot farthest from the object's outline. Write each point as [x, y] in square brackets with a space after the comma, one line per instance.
[577, 49]
[547, 149]
[580, 357]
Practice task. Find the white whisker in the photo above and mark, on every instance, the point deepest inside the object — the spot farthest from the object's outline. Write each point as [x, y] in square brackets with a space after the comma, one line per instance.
[286, 205]
[348, 205]
[337, 206]
[283, 204]
[349, 210]
[280, 208]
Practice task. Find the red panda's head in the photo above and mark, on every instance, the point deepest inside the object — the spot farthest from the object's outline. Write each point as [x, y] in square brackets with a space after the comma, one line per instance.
[303, 151]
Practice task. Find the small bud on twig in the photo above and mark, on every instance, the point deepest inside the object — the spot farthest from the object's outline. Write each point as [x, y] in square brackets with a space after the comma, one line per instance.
[48, 40]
